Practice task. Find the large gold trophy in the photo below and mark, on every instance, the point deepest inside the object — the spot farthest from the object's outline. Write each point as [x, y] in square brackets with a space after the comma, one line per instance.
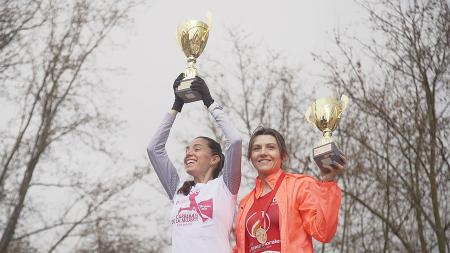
[192, 36]
[325, 114]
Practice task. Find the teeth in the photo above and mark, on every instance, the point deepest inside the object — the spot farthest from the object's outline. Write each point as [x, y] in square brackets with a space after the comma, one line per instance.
[190, 161]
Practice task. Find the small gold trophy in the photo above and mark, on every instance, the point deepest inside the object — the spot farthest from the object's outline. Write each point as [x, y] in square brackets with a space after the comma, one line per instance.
[192, 36]
[325, 114]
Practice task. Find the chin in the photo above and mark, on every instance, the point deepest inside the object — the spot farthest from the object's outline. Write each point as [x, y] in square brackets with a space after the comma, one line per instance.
[267, 171]
[190, 170]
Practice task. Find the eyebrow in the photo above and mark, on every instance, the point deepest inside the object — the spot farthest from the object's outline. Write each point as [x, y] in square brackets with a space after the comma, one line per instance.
[195, 145]
[265, 144]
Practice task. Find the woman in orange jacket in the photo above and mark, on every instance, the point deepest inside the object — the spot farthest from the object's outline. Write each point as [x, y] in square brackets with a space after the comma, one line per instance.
[285, 211]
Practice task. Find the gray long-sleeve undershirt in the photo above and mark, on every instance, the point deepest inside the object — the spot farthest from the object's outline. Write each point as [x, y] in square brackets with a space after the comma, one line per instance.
[167, 173]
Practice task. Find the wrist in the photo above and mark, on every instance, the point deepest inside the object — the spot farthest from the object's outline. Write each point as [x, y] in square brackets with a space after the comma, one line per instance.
[214, 106]
[208, 102]
[173, 112]
[177, 106]
[325, 179]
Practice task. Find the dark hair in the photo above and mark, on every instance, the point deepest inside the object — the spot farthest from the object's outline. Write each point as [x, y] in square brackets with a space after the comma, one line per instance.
[215, 148]
[268, 131]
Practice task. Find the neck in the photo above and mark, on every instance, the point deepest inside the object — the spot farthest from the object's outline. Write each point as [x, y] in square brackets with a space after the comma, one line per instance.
[266, 186]
[203, 178]
[264, 174]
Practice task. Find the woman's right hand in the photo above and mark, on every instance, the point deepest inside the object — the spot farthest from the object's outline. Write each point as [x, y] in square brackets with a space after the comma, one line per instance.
[178, 103]
[334, 170]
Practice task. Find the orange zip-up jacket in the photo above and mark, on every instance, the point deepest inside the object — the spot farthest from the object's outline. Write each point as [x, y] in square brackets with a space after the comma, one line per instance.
[307, 208]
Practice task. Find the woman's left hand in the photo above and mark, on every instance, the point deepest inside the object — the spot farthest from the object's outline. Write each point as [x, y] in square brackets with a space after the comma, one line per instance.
[200, 86]
[335, 169]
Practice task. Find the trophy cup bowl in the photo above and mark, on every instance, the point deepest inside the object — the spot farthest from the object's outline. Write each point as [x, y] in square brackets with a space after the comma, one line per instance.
[192, 36]
[325, 114]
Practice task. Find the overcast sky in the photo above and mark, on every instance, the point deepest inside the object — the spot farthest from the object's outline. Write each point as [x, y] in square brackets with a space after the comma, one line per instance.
[151, 58]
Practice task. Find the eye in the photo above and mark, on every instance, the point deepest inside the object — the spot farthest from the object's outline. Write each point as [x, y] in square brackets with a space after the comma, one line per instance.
[256, 148]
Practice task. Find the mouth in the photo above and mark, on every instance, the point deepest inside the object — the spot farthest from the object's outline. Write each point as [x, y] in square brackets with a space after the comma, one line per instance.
[264, 161]
[189, 161]
[265, 164]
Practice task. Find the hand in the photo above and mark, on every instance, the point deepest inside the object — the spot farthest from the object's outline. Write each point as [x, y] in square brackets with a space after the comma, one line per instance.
[178, 103]
[334, 170]
[199, 85]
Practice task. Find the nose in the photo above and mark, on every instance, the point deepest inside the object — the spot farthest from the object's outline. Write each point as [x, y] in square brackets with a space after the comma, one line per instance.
[188, 151]
[263, 151]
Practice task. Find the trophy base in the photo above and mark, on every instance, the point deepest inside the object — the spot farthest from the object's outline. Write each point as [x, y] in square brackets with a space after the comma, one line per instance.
[185, 92]
[324, 155]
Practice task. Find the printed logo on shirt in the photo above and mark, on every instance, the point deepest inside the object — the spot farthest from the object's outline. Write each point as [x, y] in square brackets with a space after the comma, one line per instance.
[254, 222]
[202, 210]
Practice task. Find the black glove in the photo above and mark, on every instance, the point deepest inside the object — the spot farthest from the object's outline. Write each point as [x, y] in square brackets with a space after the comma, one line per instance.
[199, 85]
[178, 103]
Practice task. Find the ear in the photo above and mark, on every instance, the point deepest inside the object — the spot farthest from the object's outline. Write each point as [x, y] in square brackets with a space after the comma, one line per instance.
[284, 157]
[215, 159]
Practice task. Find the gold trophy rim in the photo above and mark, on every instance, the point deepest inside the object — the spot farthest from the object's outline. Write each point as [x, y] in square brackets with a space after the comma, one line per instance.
[184, 27]
[315, 119]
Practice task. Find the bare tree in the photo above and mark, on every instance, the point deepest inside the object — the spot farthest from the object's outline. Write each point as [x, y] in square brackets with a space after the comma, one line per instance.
[396, 133]
[46, 76]
[262, 90]
[16, 18]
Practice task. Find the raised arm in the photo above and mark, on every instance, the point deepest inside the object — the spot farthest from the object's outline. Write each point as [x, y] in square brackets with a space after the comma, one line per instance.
[157, 154]
[233, 149]
[156, 149]
[233, 142]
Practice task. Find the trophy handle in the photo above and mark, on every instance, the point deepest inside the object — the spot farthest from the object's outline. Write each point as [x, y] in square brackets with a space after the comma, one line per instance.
[344, 103]
[179, 33]
[308, 115]
[209, 19]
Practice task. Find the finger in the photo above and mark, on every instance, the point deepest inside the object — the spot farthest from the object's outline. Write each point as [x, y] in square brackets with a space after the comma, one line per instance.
[180, 76]
[344, 159]
[328, 177]
[178, 81]
[196, 87]
[196, 83]
[338, 167]
[324, 171]
[200, 79]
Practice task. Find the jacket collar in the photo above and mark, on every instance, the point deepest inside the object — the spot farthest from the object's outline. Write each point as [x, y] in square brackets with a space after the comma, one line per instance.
[270, 179]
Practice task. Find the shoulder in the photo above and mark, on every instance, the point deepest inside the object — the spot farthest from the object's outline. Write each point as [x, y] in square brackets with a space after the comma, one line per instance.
[246, 197]
[300, 182]
[300, 178]
[217, 184]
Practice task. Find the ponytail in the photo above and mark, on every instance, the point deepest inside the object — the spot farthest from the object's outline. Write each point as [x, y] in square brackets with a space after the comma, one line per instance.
[186, 188]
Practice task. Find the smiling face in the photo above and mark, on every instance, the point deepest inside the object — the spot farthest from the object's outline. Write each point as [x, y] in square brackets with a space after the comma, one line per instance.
[198, 160]
[265, 154]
